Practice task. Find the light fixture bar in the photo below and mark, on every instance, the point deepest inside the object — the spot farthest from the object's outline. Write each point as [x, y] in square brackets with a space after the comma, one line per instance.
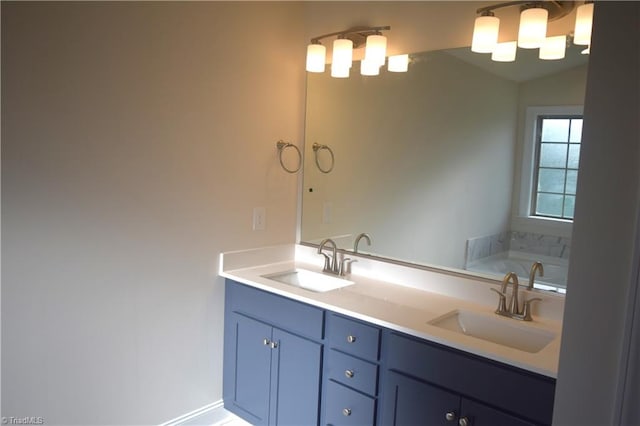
[556, 9]
[359, 33]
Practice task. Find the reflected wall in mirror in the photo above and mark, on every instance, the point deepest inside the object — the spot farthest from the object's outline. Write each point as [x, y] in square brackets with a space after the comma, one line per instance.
[430, 162]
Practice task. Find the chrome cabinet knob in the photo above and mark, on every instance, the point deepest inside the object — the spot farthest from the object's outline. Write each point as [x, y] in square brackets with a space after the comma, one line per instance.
[349, 373]
[450, 416]
[346, 411]
[351, 339]
[464, 421]
[266, 342]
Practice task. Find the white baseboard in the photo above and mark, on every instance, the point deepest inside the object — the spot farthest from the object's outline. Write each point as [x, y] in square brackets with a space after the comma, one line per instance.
[208, 415]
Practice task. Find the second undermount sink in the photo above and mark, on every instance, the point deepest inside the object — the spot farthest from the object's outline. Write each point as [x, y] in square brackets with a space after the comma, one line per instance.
[503, 331]
[309, 280]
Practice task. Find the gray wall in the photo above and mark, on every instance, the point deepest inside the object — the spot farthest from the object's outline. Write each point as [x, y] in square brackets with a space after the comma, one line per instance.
[137, 138]
[604, 257]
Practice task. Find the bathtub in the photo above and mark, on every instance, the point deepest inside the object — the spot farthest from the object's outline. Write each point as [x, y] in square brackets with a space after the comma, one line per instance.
[555, 269]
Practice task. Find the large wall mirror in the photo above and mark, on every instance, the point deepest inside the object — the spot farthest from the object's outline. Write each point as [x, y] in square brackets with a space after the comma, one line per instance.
[436, 164]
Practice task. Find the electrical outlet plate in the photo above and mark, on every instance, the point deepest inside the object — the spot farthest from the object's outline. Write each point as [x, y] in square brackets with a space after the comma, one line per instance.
[259, 218]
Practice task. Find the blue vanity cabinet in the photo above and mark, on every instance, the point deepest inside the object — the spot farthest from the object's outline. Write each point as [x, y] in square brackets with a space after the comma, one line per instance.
[351, 372]
[272, 357]
[290, 363]
[413, 402]
[427, 383]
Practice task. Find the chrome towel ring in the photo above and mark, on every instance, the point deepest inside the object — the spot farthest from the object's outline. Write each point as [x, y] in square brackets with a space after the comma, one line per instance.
[282, 145]
[317, 147]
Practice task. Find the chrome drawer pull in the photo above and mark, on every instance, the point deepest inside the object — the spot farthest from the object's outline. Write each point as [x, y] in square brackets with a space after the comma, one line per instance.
[351, 339]
[346, 411]
[349, 374]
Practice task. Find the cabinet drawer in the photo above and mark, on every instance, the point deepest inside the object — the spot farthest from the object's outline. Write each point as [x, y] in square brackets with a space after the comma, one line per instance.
[353, 372]
[353, 337]
[345, 406]
[276, 310]
[469, 375]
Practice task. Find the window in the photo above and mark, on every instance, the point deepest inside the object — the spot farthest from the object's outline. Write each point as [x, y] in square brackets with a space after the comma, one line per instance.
[549, 168]
[557, 154]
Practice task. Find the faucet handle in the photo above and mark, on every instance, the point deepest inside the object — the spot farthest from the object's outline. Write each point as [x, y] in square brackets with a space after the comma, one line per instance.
[526, 310]
[345, 266]
[502, 302]
[327, 263]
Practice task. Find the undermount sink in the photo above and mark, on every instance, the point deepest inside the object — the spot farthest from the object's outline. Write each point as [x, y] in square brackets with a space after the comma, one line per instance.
[503, 331]
[309, 280]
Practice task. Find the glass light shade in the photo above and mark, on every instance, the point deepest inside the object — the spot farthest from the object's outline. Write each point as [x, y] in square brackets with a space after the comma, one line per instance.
[342, 53]
[316, 54]
[369, 68]
[553, 47]
[339, 71]
[376, 49]
[505, 52]
[398, 63]
[584, 21]
[485, 34]
[533, 28]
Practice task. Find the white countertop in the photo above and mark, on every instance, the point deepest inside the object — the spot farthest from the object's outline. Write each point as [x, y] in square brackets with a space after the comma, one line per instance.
[404, 299]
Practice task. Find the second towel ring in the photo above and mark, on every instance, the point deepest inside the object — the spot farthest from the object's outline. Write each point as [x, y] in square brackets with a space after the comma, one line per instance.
[282, 145]
[317, 147]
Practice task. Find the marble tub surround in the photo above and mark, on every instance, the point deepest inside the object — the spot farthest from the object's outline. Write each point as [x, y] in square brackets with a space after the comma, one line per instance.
[532, 243]
[402, 298]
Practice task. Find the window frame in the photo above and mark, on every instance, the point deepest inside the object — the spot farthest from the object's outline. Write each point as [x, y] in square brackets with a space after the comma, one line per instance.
[529, 157]
[533, 192]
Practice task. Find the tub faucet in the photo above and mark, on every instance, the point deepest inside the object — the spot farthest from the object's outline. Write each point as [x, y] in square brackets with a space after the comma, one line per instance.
[536, 267]
[357, 241]
[330, 262]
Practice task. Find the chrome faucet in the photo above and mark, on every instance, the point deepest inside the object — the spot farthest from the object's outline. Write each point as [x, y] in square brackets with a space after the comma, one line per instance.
[330, 262]
[357, 241]
[536, 267]
[514, 311]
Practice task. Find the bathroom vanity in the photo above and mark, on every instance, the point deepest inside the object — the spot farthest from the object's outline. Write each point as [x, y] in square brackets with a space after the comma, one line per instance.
[376, 352]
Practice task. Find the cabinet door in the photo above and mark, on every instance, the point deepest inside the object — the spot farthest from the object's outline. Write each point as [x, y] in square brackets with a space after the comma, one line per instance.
[409, 402]
[482, 415]
[252, 374]
[295, 390]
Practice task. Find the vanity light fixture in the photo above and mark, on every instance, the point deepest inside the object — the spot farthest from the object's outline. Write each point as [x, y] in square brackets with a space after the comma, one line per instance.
[375, 51]
[342, 57]
[505, 52]
[398, 63]
[532, 29]
[485, 32]
[584, 22]
[315, 57]
[342, 53]
[339, 72]
[369, 68]
[553, 48]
